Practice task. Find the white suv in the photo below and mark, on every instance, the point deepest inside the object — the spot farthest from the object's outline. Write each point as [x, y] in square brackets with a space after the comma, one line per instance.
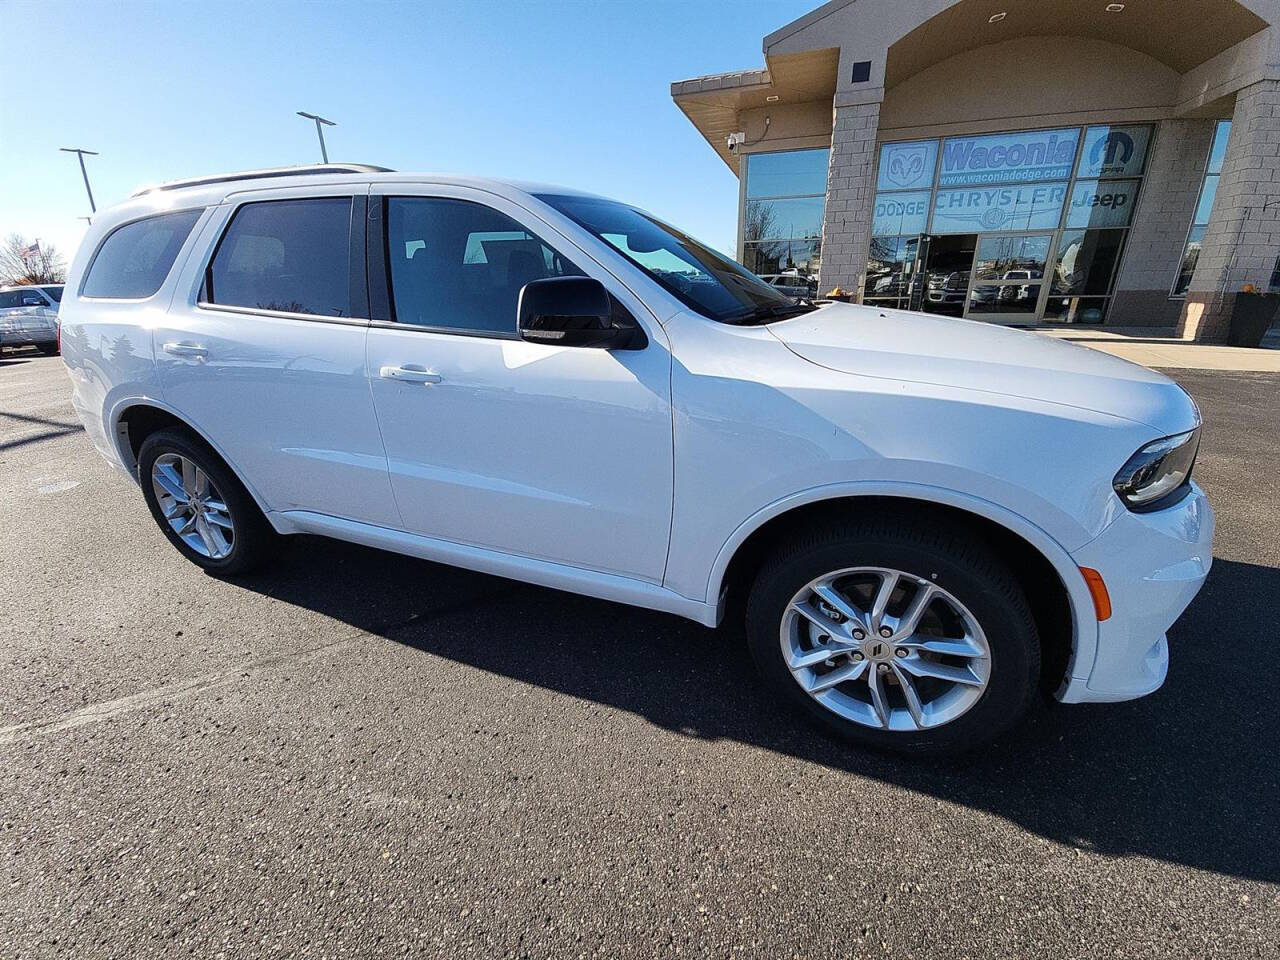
[925, 520]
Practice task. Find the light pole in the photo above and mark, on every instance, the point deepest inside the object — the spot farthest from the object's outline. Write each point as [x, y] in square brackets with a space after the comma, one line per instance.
[324, 154]
[84, 173]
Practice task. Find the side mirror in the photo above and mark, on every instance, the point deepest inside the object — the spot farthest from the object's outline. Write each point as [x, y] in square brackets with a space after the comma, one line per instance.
[32, 302]
[569, 312]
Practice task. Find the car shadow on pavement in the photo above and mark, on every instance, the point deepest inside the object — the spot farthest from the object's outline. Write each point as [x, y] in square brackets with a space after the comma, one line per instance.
[1187, 775]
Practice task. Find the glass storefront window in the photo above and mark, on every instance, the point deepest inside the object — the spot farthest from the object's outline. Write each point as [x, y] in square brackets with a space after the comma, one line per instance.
[898, 214]
[782, 214]
[1011, 258]
[1114, 151]
[1076, 309]
[1019, 207]
[783, 256]
[1102, 203]
[1018, 157]
[783, 219]
[790, 173]
[1204, 207]
[1190, 257]
[907, 166]
[888, 271]
[1086, 262]
[1024, 224]
[1004, 298]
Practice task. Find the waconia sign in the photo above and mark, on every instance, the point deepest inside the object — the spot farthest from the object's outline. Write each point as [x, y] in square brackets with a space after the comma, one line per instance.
[1008, 157]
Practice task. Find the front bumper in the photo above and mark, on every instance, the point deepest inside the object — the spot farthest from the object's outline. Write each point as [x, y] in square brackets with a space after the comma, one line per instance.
[1153, 565]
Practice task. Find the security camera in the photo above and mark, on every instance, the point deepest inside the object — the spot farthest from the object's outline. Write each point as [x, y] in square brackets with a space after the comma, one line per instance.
[735, 140]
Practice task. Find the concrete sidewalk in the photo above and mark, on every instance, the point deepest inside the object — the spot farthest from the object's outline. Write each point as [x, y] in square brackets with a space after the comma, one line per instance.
[1157, 347]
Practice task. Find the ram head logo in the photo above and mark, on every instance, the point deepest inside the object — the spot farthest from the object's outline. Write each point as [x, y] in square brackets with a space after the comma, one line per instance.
[906, 163]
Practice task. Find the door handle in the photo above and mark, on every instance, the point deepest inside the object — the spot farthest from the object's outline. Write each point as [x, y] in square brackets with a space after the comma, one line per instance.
[193, 350]
[409, 375]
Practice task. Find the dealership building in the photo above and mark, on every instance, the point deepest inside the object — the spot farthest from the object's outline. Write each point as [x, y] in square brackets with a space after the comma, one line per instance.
[1017, 161]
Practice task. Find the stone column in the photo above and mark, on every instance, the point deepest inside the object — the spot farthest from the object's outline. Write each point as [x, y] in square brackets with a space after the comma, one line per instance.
[1242, 240]
[851, 190]
[1153, 250]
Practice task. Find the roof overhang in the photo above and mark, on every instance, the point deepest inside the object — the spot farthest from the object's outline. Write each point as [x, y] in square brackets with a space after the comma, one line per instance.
[802, 59]
[713, 103]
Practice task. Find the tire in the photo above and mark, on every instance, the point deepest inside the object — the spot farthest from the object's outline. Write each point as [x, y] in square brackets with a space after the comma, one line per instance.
[248, 543]
[977, 589]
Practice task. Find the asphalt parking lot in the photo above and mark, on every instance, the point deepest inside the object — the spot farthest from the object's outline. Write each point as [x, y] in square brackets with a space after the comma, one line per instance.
[358, 754]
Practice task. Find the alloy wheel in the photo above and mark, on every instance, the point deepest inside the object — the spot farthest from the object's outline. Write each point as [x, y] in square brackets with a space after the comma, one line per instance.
[192, 506]
[885, 648]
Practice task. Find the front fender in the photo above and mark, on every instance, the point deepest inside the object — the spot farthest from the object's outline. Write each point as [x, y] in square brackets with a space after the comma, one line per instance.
[1084, 627]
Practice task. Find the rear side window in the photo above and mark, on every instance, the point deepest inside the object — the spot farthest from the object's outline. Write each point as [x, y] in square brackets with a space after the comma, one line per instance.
[286, 255]
[133, 261]
[12, 298]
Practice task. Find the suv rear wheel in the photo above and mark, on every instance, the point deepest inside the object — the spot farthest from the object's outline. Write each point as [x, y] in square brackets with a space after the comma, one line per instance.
[201, 506]
[898, 636]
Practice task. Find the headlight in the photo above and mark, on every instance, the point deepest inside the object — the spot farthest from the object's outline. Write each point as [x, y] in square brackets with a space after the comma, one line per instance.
[1158, 470]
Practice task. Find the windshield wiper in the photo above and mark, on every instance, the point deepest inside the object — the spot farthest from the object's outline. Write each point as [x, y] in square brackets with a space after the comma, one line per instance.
[767, 313]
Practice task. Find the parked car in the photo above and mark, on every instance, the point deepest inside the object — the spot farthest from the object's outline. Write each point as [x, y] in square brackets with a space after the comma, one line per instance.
[923, 520]
[29, 317]
[792, 284]
[947, 289]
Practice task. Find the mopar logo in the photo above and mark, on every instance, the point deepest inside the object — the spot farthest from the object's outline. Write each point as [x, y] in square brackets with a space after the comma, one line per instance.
[1116, 146]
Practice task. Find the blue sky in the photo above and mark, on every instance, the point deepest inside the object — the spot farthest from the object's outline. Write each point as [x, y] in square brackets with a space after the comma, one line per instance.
[565, 91]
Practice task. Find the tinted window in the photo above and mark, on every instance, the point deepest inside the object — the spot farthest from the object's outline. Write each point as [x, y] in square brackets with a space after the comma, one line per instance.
[287, 255]
[11, 298]
[134, 259]
[461, 265]
[54, 293]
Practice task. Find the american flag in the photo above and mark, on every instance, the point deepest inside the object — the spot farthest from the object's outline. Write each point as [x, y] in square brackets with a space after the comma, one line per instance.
[28, 253]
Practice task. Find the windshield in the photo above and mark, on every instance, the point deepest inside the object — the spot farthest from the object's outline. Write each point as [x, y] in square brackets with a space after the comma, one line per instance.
[55, 293]
[707, 281]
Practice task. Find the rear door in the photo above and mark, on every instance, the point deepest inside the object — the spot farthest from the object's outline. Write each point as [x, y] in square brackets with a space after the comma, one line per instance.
[265, 352]
[553, 453]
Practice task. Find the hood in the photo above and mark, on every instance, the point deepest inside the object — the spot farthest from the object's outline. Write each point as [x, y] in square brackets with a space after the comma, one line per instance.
[969, 354]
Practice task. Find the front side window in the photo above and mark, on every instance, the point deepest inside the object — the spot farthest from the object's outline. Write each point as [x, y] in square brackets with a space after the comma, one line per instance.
[707, 281]
[53, 293]
[291, 256]
[460, 265]
[134, 259]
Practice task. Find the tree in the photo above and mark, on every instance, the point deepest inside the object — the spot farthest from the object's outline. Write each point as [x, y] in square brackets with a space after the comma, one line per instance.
[34, 262]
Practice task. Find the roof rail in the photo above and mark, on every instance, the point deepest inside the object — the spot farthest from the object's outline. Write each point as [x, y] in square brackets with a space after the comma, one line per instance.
[306, 169]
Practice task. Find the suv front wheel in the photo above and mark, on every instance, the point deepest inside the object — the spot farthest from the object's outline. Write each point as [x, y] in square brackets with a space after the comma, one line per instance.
[896, 635]
[201, 506]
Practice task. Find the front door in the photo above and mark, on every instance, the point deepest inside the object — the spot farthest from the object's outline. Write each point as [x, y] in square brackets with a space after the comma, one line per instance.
[1008, 277]
[561, 454]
